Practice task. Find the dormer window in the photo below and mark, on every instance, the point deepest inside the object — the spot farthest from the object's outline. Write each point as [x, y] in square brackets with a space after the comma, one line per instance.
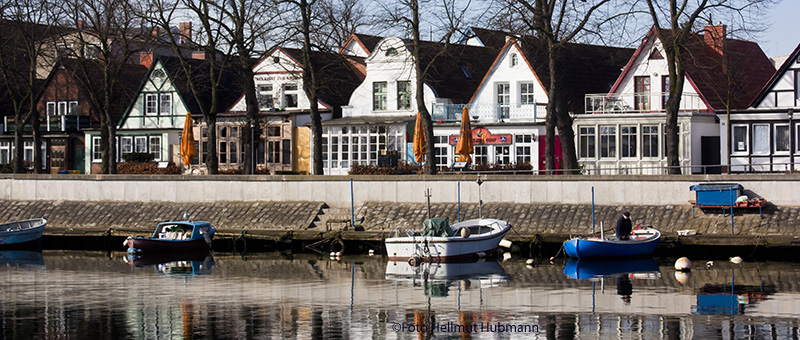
[655, 54]
[391, 51]
[514, 60]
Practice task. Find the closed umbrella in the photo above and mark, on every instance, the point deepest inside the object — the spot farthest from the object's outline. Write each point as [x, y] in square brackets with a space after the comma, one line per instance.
[187, 141]
[464, 148]
[419, 140]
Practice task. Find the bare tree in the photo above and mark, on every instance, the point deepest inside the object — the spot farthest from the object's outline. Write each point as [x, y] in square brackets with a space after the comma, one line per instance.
[108, 33]
[27, 39]
[683, 18]
[555, 23]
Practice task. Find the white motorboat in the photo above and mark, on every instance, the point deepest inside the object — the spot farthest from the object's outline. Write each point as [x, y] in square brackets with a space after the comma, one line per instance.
[439, 241]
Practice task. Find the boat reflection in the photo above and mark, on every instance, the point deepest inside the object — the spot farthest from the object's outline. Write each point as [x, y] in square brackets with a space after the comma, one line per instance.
[437, 278]
[198, 263]
[639, 269]
[729, 298]
[21, 258]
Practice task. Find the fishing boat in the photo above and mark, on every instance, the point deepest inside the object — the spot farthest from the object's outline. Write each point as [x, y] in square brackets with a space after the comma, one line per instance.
[642, 242]
[439, 241]
[22, 232]
[176, 236]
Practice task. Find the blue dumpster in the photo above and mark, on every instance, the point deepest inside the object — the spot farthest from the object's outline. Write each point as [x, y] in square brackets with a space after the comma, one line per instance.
[716, 194]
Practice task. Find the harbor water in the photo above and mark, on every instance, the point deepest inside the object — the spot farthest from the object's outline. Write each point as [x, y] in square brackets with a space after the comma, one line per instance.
[71, 294]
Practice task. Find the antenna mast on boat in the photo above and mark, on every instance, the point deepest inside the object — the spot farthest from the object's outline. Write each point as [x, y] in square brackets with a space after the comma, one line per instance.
[480, 201]
[592, 210]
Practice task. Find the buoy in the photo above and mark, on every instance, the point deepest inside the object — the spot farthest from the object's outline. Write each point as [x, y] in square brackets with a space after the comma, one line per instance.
[505, 243]
[683, 264]
[530, 261]
[371, 252]
[736, 260]
[333, 254]
[710, 264]
[338, 253]
[465, 232]
[683, 277]
[506, 256]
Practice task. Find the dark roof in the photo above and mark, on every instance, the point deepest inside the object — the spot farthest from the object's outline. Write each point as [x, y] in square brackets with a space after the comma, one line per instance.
[489, 38]
[455, 70]
[339, 74]
[368, 41]
[230, 87]
[89, 77]
[776, 76]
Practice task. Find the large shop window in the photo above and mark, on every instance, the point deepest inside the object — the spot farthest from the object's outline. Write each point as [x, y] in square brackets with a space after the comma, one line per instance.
[586, 141]
[739, 139]
[346, 145]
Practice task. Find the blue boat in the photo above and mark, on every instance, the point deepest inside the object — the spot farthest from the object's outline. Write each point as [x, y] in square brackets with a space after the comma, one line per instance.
[583, 269]
[642, 242]
[22, 232]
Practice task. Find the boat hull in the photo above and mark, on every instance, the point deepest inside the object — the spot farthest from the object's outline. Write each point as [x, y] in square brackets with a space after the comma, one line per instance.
[582, 248]
[154, 245]
[443, 249]
[582, 269]
[27, 235]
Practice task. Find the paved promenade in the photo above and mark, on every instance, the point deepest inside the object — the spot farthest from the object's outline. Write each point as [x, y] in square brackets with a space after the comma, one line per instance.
[552, 222]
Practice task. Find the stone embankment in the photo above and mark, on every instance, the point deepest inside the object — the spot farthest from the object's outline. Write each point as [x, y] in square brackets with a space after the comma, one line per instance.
[315, 220]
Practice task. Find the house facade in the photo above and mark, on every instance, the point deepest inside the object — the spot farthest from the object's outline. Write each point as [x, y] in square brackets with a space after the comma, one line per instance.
[764, 138]
[623, 131]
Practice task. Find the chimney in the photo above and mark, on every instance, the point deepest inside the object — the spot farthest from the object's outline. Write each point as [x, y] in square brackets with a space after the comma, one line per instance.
[185, 31]
[714, 36]
[156, 32]
[199, 55]
[80, 25]
[146, 59]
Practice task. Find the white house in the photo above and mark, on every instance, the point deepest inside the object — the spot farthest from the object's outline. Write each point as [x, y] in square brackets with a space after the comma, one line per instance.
[764, 138]
[624, 129]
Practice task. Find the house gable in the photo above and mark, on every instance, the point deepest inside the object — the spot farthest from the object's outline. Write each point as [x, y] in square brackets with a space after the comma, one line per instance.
[783, 88]
[158, 103]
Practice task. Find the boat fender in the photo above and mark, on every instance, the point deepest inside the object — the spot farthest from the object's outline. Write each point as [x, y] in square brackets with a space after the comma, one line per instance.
[125, 243]
[683, 264]
[481, 254]
[465, 232]
[414, 261]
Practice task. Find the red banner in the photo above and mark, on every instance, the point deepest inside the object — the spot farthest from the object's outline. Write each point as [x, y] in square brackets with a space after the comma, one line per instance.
[482, 136]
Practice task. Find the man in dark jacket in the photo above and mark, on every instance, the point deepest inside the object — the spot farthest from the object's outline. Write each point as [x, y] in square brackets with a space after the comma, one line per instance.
[624, 226]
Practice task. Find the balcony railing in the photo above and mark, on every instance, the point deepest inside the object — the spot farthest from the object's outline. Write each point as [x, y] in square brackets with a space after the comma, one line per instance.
[653, 102]
[67, 123]
[448, 113]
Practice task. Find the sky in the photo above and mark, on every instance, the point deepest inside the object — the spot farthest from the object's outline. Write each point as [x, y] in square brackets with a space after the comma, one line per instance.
[783, 35]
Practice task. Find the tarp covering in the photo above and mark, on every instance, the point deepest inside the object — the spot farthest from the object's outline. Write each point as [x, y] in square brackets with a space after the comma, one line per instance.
[437, 226]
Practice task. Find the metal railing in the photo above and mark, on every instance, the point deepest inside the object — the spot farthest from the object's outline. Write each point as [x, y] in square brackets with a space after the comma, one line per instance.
[450, 113]
[653, 102]
[648, 170]
[54, 123]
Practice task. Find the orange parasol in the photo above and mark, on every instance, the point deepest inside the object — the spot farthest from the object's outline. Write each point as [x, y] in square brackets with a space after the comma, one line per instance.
[187, 141]
[464, 147]
[419, 140]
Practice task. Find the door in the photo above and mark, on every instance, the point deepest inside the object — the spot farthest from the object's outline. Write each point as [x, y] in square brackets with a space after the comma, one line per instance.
[710, 154]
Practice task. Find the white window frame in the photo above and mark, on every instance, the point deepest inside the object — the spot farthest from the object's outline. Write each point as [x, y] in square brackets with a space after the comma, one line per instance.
[154, 147]
[291, 92]
[6, 150]
[404, 95]
[649, 136]
[442, 148]
[775, 139]
[526, 93]
[513, 60]
[140, 144]
[746, 141]
[631, 137]
[591, 133]
[523, 142]
[151, 104]
[380, 99]
[768, 148]
[73, 105]
[503, 99]
[612, 145]
[266, 90]
[97, 154]
[51, 108]
[165, 104]
[122, 145]
[62, 108]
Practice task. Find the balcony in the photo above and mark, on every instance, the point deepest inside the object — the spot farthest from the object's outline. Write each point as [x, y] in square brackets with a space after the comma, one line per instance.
[488, 113]
[653, 102]
[56, 123]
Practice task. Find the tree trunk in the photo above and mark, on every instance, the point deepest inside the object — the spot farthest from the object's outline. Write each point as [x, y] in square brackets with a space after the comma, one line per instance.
[19, 146]
[672, 130]
[37, 138]
[551, 119]
[251, 131]
[427, 123]
[105, 145]
[212, 159]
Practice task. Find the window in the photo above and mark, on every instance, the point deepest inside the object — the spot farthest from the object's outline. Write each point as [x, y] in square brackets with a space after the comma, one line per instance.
[5, 152]
[166, 104]
[797, 140]
[642, 93]
[151, 104]
[502, 154]
[155, 147]
[761, 139]
[125, 146]
[514, 60]
[481, 154]
[608, 141]
[62, 108]
[526, 93]
[74, 109]
[523, 144]
[628, 140]
[391, 51]
[739, 139]
[441, 147]
[503, 100]
[586, 141]
[51, 108]
[223, 152]
[782, 138]
[650, 141]
[664, 91]
[290, 95]
[403, 95]
[379, 95]
[265, 101]
[140, 144]
[28, 151]
[97, 152]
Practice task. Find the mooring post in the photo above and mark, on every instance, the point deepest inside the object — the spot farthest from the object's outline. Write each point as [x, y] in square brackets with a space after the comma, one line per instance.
[352, 207]
[428, 195]
[459, 201]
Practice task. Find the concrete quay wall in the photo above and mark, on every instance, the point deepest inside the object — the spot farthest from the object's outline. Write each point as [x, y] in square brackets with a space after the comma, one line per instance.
[335, 191]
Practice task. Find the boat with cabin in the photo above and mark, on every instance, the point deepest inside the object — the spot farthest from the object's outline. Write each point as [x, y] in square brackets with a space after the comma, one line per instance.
[175, 236]
[439, 241]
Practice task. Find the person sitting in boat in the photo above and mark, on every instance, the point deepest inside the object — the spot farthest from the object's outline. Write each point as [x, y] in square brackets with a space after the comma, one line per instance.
[624, 227]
